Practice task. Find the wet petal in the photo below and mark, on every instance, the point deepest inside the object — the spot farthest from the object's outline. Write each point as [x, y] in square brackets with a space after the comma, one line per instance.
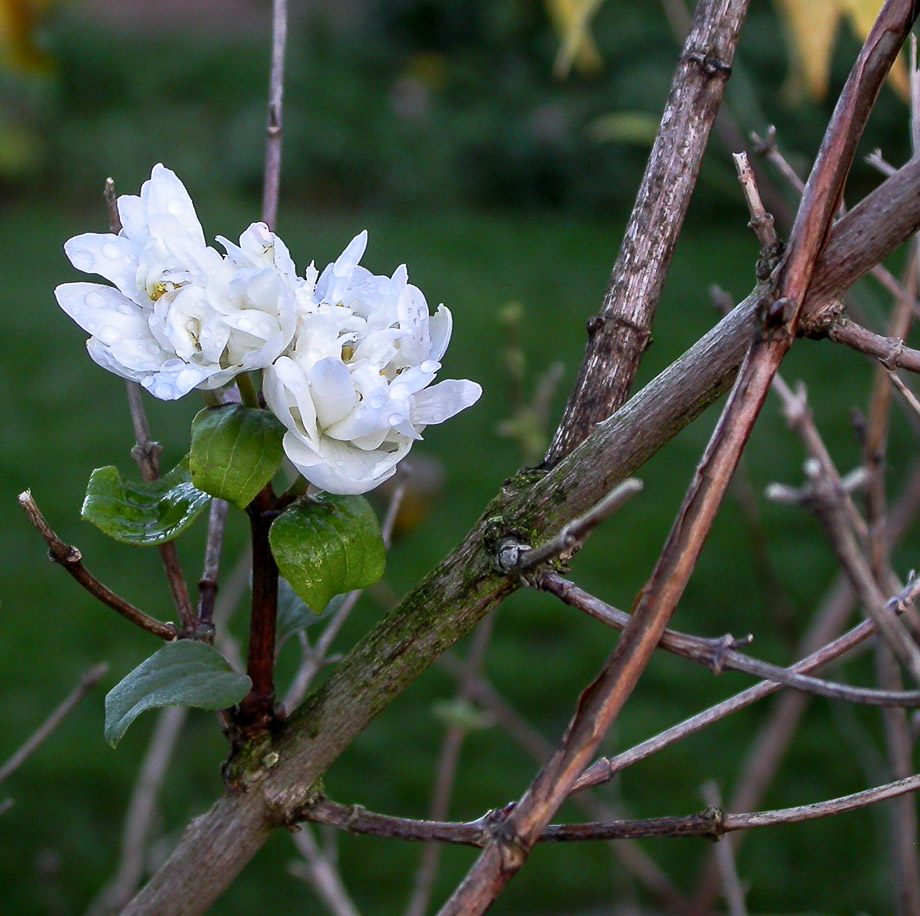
[442, 401]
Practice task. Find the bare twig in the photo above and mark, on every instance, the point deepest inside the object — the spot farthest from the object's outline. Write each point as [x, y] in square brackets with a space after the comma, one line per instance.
[725, 858]
[605, 768]
[71, 560]
[208, 585]
[48, 727]
[761, 221]
[446, 772]
[774, 736]
[712, 823]
[799, 417]
[322, 875]
[854, 564]
[515, 557]
[141, 815]
[907, 394]
[721, 653]
[892, 352]
[273, 130]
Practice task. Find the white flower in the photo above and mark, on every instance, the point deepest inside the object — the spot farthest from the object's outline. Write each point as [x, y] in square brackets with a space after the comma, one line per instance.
[354, 390]
[181, 316]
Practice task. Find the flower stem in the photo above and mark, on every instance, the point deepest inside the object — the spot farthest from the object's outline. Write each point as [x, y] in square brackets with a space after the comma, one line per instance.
[248, 394]
[257, 709]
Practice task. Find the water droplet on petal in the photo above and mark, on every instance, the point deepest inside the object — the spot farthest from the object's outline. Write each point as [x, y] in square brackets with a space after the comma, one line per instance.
[111, 251]
[174, 206]
[125, 309]
[109, 335]
[95, 300]
[429, 365]
[90, 326]
[82, 260]
[244, 324]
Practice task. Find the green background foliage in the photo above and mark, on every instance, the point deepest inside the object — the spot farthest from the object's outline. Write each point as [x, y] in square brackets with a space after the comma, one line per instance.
[438, 127]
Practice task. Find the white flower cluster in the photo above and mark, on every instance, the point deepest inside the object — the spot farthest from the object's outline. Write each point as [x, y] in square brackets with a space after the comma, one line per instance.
[348, 358]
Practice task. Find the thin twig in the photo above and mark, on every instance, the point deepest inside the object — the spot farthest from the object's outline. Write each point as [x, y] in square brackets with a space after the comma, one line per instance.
[446, 771]
[854, 563]
[273, 131]
[721, 653]
[47, 728]
[515, 557]
[725, 858]
[892, 352]
[141, 814]
[761, 221]
[774, 736]
[208, 584]
[711, 823]
[71, 560]
[799, 417]
[322, 875]
[606, 768]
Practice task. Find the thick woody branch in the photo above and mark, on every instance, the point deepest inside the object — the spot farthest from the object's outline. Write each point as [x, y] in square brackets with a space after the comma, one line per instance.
[619, 334]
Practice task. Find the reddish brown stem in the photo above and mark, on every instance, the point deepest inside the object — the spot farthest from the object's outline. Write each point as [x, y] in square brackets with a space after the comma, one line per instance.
[257, 709]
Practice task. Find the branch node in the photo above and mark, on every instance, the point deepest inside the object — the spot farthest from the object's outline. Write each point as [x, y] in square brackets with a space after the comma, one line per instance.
[710, 66]
[715, 817]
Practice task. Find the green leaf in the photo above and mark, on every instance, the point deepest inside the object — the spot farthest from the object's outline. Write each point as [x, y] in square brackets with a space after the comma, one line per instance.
[294, 615]
[460, 713]
[183, 673]
[236, 450]
[142, 513]
[327, 545]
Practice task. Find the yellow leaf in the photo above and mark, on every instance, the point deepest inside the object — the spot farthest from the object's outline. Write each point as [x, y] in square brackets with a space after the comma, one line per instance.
[572, 20]
[811, 27]
[863, 14]
[19, 20]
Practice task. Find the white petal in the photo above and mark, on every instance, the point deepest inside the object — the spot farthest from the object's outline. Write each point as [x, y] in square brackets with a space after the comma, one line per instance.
[333, 392]
[169, 206]
[440, 328]
[178, 378]
[341, 468]
[132, 213]
[442, 401]
[103, 311]
[348, 260]
[286, 390]
[111, 256]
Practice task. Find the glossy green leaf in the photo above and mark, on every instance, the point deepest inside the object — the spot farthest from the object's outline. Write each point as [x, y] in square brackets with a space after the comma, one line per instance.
[236, 450]
[183, 673]
[327, 545]
[142, 513]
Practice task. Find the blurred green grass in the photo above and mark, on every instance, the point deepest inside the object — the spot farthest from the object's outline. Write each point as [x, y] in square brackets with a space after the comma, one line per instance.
[435, 194]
